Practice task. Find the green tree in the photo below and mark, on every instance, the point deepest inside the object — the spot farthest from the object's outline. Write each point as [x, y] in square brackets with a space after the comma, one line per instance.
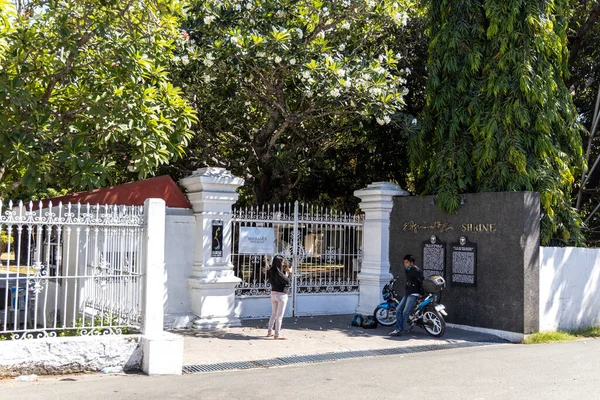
[366, 154]
[366, 151]
[7, 12]
[499, 116]
[85, 93]
[584, 82]
[275, 83]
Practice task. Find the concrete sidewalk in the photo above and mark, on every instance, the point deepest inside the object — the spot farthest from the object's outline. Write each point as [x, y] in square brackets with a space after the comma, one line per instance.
[311, 336]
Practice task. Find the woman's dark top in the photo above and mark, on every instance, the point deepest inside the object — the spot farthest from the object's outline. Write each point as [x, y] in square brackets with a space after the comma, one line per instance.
[279, 282]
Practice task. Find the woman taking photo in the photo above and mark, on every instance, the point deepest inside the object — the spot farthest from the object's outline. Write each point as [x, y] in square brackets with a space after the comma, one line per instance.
[279, 278]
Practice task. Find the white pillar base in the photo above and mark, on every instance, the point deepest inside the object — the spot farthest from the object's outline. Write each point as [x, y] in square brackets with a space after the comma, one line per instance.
[213, 301]
[216, 323]
[163, 354]
[370, 291]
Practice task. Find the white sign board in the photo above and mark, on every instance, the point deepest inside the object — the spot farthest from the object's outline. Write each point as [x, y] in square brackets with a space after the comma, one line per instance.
[256, 240]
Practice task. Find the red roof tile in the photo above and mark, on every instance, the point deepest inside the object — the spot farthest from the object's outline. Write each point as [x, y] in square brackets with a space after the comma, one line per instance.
[130, 194]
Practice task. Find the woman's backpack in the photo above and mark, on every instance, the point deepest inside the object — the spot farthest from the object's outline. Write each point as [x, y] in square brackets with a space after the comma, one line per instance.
[357, 320]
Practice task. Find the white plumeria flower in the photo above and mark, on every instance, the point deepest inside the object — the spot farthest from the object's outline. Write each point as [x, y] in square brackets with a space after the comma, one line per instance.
[261, 54]
[208, 60]
[306, 74]
[292, 61]
[335, 92]
[348, 83]
[277, 59]
[341, 72]
[342, 47]
[345, 25]
[380, 121]
[400, 18]
[387, 119]
[209, 19]
[300, 33]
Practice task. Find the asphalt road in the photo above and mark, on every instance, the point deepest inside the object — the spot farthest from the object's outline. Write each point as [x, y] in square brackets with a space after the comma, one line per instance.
[551, 371]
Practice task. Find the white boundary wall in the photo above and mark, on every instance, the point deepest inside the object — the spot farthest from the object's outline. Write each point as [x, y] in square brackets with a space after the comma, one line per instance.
[70, 354]
[569, 288]
[249, 307]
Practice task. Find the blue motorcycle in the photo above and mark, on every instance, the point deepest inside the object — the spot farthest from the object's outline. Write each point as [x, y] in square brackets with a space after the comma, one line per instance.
[428, 312]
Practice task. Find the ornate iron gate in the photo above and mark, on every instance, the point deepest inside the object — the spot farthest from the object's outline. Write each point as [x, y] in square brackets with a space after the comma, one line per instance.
[323, 246]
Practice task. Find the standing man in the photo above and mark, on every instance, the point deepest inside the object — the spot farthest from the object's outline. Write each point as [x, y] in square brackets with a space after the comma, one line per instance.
[414, 281]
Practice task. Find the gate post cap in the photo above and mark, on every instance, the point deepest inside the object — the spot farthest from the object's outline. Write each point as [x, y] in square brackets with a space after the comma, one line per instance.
[380, 189]
[211, 179]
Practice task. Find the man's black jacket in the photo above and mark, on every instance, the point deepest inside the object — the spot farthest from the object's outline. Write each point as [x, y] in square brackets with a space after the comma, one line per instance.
[414, 281]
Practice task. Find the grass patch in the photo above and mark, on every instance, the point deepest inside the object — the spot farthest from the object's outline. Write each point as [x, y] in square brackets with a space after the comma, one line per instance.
[594, 331]
[549, 337]
[560, 336]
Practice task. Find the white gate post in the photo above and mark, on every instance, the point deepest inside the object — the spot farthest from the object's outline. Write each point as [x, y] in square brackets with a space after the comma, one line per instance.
[162, 351]
[377, 203]
[212, 192]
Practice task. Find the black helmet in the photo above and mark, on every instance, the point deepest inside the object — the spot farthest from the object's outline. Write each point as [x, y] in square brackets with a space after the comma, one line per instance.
[370, 322]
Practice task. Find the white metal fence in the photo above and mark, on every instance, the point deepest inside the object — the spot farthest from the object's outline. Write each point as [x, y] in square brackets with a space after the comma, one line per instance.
[323, 246]
[69, 269]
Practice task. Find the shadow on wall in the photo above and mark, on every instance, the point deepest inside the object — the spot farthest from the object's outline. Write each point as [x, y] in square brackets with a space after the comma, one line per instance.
[569, 288]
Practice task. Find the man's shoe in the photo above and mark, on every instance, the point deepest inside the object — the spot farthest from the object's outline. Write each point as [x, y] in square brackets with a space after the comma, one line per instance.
[396, 332]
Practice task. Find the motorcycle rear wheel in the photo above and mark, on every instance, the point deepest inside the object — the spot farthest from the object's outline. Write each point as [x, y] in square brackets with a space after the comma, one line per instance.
[433, 322]
[386, 317]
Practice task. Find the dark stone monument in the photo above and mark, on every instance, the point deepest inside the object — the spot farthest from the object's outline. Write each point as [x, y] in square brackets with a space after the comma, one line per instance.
[494, 285]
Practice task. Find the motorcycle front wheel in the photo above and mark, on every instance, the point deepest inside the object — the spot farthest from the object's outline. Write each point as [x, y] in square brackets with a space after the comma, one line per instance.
[433, 322]
[385, 316]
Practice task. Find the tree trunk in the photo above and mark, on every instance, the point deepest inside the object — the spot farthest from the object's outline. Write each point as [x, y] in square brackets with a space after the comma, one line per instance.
[262, 184]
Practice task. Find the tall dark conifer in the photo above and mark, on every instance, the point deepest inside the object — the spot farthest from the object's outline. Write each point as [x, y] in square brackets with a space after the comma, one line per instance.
[499, 116]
